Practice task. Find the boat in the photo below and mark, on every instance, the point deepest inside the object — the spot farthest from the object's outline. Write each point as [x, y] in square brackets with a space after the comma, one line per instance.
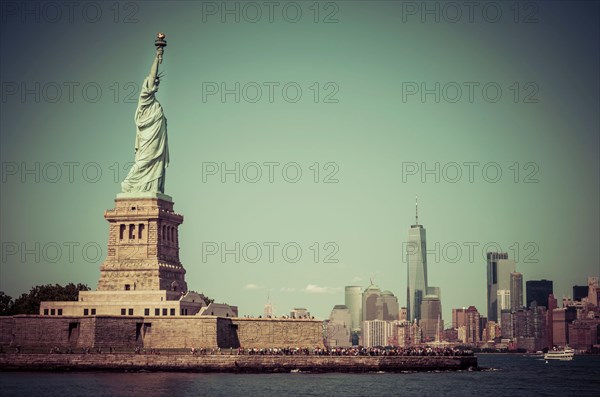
[563, 354]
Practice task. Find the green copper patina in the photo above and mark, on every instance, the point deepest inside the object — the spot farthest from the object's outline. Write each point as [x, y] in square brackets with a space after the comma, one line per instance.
[151, 143]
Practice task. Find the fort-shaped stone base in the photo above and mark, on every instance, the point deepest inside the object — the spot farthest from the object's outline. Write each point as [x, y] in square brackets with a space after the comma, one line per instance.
[126, 333]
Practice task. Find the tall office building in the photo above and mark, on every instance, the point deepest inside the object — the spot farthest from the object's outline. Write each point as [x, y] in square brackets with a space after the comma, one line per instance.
[561, 318]
[492, 331]
[372, 304]
[507, 324]
[416, 258]
[472, 326]
[390, 307]
[538, 290]
[499, 268]
[403, 314]
[376, 333]
[593, 291]
[353, 301]
[530, 328]
[516, 291]
[580, 292]
[338, 327]
[459, 317]
[503, 303]
[552, 304]
[431, 320]
[268, 312]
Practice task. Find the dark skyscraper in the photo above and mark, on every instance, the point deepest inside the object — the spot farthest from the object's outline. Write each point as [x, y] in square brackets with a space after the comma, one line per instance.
[580, 292]
[516, 291]
[538, 290]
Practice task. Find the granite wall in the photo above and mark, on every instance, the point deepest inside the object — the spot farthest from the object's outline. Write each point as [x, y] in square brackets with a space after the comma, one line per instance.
[122, 333]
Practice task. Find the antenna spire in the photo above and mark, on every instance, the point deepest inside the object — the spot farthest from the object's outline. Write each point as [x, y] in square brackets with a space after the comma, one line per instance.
[416, 210]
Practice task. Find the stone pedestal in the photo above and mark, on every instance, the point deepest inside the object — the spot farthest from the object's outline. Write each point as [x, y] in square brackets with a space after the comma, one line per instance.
[143, 245]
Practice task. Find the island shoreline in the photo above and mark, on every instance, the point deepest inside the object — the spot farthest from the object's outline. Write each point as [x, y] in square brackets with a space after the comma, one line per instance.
[233, 363]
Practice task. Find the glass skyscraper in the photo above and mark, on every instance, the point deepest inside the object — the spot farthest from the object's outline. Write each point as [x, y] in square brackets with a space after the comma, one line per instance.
[538, 290]
[416, 258]
[431, 321]
[499, 268]
[354, 303]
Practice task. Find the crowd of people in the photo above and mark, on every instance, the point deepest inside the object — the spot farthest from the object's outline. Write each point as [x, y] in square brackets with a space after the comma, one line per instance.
[340, 351]
[284, 317]
[288, 351]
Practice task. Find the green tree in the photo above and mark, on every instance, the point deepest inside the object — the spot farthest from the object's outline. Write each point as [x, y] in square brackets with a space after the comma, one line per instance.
[29, 303]
[6, 303]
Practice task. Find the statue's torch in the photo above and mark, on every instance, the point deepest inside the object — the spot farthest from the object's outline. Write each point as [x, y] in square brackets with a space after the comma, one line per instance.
[160, 44]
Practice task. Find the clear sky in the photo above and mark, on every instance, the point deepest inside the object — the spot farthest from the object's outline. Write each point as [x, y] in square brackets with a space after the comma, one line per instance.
[373, 92]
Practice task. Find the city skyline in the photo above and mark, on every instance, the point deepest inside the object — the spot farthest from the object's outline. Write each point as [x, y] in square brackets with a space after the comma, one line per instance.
[364, 129]
[510, 270]
[284, 310]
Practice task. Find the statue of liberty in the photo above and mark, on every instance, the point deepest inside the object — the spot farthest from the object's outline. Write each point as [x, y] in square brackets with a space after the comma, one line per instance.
[151, 143]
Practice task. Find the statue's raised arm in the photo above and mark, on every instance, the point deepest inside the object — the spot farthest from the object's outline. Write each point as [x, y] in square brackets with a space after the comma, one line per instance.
[154, 69]
[151, 144]
[151, 83]
[160, 44]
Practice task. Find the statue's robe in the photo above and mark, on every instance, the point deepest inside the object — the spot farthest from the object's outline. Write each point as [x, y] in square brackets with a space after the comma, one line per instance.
[151, 145]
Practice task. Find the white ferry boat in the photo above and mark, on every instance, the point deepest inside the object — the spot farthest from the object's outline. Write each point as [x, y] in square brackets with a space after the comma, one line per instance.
[564, 354]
